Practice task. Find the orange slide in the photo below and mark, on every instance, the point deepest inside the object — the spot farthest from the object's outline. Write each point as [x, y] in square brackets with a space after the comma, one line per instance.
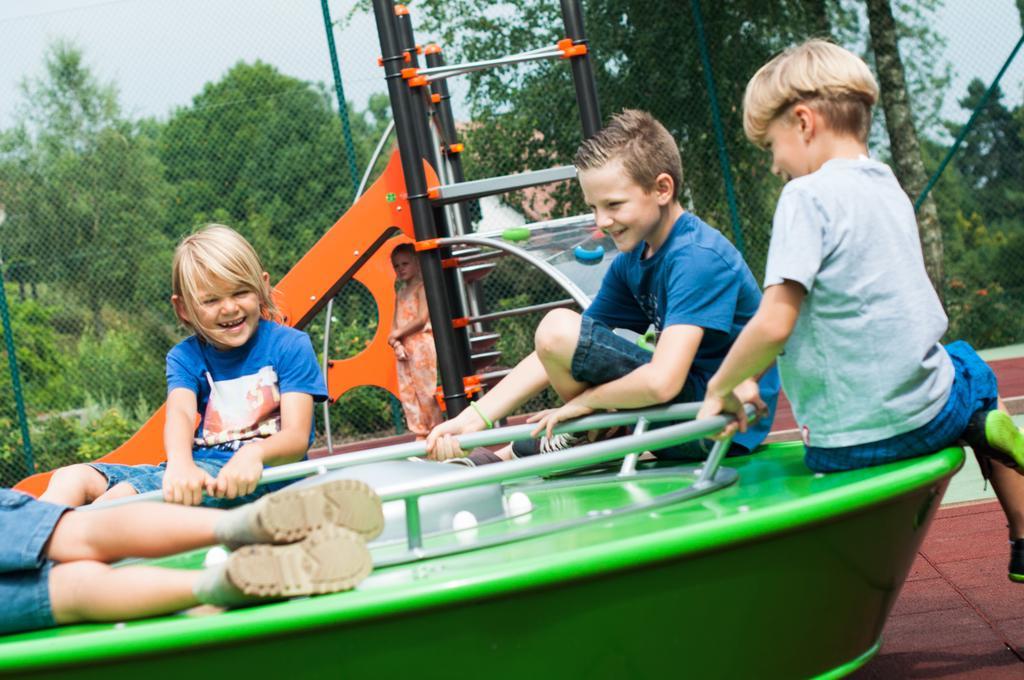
[351, 249]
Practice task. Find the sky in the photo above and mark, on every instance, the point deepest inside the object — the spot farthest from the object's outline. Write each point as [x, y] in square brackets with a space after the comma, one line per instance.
[161, 53]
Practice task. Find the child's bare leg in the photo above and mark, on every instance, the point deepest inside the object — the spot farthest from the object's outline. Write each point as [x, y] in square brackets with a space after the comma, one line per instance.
[93, 591]
[75, 485]
[1008, 483]
[556, 339]
[120, 490]
[140, 530]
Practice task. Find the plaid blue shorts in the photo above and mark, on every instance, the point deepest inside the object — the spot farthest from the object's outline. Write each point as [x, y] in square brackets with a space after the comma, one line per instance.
[601, 356]
[25, 525]
[974, 389]
[144, 478]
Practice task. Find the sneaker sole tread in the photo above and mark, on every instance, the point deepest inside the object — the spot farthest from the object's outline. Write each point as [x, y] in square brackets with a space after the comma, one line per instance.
[291, 514]
[327, 561]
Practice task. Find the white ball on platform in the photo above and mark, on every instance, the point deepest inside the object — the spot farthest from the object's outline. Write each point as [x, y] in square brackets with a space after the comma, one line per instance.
[214, 556]
[463, 519]
[519, 504]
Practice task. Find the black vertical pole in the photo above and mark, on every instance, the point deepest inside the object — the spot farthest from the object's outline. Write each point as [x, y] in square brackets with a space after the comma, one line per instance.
[422, 215]
[582, 70]
[420, 113]
[446, 118]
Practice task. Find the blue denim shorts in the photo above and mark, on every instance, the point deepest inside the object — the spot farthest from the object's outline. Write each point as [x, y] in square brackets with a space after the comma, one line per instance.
[25, 525]
[974, 389]
[144, 478]
[601, 356]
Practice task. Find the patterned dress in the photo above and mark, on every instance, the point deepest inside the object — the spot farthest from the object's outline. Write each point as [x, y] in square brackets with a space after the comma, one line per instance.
[417, 374]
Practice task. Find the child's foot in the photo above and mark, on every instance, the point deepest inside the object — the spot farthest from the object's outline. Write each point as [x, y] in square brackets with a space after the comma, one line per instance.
[552, 444]
[328, 560]
[1016, 571]
[1004, 436]
[294, 512]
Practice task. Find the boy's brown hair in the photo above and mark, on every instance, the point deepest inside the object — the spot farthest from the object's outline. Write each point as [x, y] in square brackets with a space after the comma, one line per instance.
[833, 81]
[213, 254]
[642, 144]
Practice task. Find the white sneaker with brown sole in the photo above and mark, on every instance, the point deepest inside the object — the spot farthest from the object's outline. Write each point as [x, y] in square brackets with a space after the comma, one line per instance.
[294, 512]
[328, 560]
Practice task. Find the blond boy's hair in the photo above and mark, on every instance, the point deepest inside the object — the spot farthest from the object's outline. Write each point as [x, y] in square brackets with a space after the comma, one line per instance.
[214, 256]
[833, 81]
[642, 144]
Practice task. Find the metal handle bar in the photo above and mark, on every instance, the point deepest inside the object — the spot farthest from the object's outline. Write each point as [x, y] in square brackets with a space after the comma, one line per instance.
[648, 440]
[447, 71]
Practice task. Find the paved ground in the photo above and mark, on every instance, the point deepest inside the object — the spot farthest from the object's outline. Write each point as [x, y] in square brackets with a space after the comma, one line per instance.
[958, 617]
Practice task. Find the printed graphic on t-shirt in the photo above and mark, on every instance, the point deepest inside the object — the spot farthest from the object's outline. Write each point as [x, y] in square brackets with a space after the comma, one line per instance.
[649, 305]
[242, 408]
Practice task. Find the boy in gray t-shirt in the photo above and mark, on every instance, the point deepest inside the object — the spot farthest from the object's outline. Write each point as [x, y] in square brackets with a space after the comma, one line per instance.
[848, 299]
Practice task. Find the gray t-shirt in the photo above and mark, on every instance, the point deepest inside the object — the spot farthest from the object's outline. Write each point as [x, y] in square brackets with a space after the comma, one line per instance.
[863, 363]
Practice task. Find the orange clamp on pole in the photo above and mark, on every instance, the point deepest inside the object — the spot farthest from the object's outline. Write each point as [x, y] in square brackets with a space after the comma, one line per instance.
[450, 263]
[472, 385]
[401, 10]
[433, 192]
[409, 73]
[432, 48]
[460, 322]
[455, 148]
[427, 244]
[570, 50]
[419, 81]
[435, 98]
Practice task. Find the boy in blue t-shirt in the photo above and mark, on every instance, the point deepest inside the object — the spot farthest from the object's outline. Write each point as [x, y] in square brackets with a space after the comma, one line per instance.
[848, 298]
[673, 271]
[251, 381]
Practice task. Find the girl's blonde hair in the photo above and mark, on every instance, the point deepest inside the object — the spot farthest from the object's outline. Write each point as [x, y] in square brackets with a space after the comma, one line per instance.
[831, 80]
[213, 256]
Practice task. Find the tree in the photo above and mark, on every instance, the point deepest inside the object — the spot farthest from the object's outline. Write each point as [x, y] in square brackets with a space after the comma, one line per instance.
[992, 155]
[525, 117]
[263, 152]
[84, 191]
[904, 144]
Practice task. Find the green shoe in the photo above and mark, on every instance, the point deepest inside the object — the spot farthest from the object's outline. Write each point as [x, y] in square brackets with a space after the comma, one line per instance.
[1003, 435]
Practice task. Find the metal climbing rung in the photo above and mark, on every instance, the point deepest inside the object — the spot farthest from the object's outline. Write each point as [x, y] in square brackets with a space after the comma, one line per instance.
[476, 256]
[491, 378]
[484, 341]
[465, 191]
[476, 272]
[519, 311]
[482, 360]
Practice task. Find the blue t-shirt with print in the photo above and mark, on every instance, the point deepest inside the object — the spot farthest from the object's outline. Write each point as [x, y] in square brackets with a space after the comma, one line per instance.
[238, 391]
[696, 278]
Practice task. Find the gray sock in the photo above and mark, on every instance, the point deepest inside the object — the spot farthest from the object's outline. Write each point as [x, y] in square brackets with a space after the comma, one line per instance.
[241, 526]
[214, 587]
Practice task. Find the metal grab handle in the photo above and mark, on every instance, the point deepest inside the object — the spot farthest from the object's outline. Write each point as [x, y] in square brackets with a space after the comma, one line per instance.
[578, 456]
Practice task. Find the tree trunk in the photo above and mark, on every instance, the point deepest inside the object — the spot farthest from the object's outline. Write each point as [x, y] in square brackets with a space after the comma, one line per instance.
[906, 151]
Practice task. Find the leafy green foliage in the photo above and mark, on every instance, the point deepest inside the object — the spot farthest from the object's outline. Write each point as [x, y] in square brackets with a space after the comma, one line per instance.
[262, 152]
